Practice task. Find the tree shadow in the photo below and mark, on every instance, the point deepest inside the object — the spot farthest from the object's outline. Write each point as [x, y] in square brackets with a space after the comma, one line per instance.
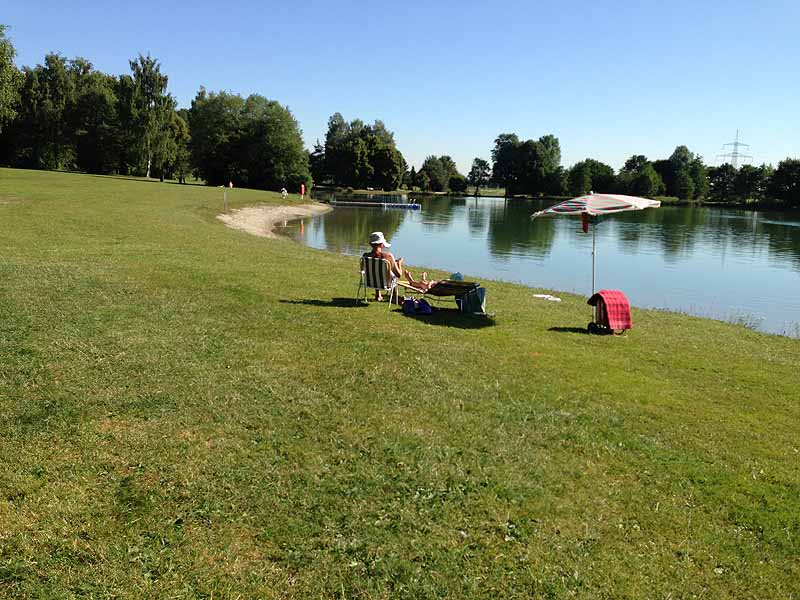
[570, 330]
[452, 317]
[146, 180]
[332, 303]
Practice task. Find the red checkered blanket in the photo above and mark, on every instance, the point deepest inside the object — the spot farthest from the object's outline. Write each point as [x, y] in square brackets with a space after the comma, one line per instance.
[613, 309]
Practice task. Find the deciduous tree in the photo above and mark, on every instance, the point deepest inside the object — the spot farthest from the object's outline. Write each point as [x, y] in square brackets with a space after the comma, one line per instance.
[152, 110]
[10, 80]
[479, 174]
[785, 183]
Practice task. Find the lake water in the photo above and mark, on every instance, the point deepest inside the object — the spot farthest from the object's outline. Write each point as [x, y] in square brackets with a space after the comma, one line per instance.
[727, 264]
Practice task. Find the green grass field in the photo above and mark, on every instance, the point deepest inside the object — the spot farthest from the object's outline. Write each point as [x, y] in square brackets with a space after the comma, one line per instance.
[188, 411]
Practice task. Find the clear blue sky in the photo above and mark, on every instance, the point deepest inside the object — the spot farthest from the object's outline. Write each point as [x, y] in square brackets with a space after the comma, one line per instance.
[608, 79]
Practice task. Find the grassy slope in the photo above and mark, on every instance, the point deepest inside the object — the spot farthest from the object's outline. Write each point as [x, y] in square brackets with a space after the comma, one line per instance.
[185, 411]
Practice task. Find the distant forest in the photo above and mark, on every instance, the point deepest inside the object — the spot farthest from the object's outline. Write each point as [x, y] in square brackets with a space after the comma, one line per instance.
[64, 114]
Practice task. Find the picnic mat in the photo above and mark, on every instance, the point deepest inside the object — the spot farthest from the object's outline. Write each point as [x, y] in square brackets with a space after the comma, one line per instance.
[613, 309]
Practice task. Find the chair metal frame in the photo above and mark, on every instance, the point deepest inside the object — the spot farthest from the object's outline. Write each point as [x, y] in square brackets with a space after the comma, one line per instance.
[377, 277]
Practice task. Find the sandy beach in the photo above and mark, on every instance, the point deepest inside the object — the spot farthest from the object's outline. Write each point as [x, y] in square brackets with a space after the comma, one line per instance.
[263, 220]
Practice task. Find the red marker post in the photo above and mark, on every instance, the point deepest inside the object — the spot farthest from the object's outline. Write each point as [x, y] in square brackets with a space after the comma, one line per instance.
[302, 190]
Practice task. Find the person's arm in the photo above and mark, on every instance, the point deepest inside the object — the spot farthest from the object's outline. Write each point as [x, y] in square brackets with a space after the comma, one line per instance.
[395, 264]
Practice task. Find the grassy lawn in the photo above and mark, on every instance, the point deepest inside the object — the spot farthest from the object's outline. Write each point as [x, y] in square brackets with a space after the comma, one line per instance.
[190, 411]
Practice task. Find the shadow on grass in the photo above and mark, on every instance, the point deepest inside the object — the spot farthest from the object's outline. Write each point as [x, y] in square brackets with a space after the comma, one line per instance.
[452, 317]
[570, 330]
[332, 303]
[143, 179]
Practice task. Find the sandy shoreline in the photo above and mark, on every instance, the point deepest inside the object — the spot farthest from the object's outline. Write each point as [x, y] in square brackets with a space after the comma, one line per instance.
[263, 220]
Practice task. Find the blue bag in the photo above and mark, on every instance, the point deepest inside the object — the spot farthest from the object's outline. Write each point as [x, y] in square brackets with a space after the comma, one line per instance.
[474, 301]
[423, 307]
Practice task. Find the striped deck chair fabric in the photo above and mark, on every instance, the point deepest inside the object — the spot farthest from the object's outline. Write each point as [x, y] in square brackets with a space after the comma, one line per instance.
[376, 274]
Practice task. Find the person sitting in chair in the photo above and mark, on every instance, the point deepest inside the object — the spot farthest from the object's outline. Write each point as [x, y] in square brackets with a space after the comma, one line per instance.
[379, 244]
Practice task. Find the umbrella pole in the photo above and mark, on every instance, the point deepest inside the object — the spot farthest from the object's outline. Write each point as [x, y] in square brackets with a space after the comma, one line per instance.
[594, 245]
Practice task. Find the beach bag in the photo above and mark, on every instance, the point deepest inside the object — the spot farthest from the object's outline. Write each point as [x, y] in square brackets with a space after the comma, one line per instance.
[423, 307]
[474, 301]
[417, 307]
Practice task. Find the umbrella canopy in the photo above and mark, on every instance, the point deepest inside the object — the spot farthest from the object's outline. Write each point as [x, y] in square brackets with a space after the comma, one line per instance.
[598, 204]
[595, 205]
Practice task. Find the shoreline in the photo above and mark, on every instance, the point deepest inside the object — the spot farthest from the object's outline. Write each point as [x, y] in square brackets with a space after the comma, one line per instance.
[265, 219]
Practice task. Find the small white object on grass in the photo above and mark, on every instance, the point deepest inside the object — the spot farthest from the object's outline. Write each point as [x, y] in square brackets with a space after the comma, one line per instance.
[547, 297]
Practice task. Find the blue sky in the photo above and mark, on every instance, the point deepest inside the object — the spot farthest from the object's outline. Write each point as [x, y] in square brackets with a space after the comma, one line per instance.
[608, 79]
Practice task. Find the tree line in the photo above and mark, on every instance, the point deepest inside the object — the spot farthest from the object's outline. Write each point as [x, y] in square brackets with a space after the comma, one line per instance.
[64, 114]
[533, 168]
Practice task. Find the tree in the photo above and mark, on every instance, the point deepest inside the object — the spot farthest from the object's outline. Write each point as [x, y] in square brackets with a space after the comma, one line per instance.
[409, 178]
[96, 124]
[684, 174]
[152, 109]
[360, 155]
[181, 165]
[639, 177]
[666, 170]
[684, 185]
[215, 123]
[634, 164]
[538, 164]
[42, 134]
[590, 175]
[388, 166]
[579, 178]
[505, 169]
[252, 142]
[438, 177]
[785, 182]
[646, 182]
[604, 179]
[316, 163]
[478, 174]
[751, 182]
[721, 182]
[699, 174]
[10, 80]
[556, 182]
[458, 183]
[423, 181]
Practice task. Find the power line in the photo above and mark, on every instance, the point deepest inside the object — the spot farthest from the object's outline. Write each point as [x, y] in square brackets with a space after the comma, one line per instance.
[734, 155]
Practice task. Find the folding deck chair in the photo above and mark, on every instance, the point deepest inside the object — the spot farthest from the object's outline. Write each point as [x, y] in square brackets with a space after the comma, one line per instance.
[376, 274]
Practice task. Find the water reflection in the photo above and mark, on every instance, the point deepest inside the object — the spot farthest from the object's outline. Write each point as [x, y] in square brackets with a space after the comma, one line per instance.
[512, 232]
[712, 262]
[347, 229]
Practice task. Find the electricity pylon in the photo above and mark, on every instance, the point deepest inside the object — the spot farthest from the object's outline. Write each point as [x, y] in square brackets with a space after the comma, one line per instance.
[734, 155]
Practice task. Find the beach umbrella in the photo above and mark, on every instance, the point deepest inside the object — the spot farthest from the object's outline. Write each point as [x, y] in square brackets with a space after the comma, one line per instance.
[592, 206]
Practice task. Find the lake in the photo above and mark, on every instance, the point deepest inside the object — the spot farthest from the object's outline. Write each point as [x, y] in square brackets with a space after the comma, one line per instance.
[728, 264]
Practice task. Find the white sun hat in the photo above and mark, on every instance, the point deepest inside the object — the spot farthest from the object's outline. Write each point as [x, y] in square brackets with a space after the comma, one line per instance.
[376, 237]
